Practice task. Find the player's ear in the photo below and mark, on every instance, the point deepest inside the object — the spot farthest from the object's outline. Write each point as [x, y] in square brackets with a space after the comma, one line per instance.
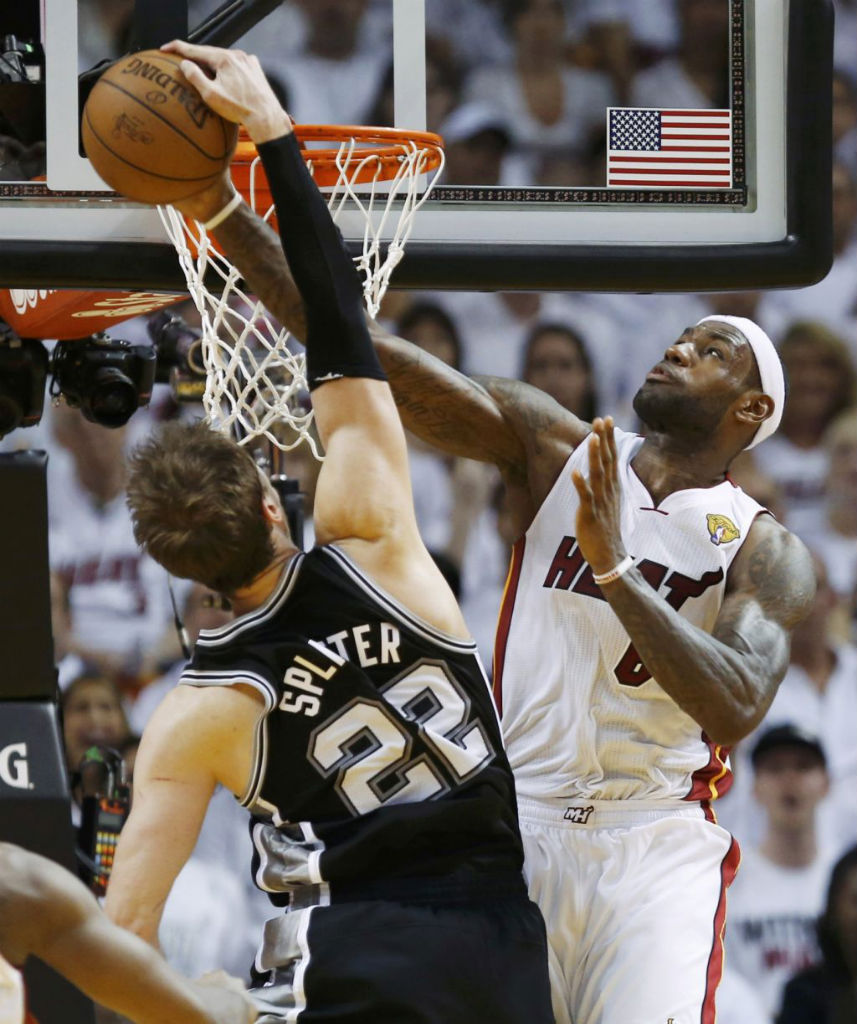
[272, 508]
[754, 408]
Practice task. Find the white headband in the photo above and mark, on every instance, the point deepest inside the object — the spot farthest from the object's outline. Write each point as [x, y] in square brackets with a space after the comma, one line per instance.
[770, 371]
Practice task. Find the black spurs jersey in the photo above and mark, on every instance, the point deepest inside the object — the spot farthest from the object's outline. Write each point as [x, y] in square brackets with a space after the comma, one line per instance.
[379, 753]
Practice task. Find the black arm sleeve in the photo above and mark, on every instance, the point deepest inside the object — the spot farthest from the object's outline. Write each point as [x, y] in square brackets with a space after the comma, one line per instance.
[337, 341]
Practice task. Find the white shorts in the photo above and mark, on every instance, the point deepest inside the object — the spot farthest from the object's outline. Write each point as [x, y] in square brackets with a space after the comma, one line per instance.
[634, 899]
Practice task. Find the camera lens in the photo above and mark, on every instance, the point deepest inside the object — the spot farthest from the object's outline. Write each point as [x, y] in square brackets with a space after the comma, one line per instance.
[112, 398]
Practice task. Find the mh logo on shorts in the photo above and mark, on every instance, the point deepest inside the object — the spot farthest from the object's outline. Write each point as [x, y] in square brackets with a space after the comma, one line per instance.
[578, 815]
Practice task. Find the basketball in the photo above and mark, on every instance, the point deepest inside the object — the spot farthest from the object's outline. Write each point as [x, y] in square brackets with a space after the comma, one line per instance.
[148, 132]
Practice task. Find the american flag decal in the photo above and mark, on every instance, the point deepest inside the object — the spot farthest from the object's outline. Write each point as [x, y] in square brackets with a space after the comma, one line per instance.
[648, 148]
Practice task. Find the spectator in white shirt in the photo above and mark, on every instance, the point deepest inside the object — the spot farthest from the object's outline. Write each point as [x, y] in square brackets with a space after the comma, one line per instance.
[779, 890]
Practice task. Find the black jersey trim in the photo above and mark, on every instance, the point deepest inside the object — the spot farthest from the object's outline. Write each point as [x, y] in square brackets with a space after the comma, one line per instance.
[269, 607]
[197, 677]
[390, 604]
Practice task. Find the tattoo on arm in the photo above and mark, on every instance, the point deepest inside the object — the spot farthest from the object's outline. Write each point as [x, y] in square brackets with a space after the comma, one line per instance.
[725, 680]
[491, 419]
[255, 250]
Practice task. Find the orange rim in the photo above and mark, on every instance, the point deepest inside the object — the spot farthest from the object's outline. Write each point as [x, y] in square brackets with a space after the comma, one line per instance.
[380, 148]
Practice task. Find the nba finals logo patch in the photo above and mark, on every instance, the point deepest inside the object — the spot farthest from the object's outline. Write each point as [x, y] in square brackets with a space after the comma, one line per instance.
[721, 529]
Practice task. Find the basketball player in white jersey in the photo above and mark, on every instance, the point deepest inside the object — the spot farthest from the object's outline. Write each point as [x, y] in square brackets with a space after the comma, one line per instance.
[47, 913]
[644, 630]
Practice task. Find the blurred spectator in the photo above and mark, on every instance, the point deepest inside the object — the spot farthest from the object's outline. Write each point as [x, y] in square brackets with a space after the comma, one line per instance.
[836, 539]
[821, 381]
[476, 142]
[827, 992]
[698, 74]
[443, 87]
[738, 1002]
[564, 168]
[494, 327]
[430, 327]
[103, 30]
[471, 31]
[202, 610]
[819, 690]
[92, 715]
[556, 360]
[653, 27]
[546, 102]
[744, 472]
[779, 889]
[845, 117]
[69, 665]
[118, 598]
[833, 300]
[334, 79]
[451, 495]
[608, 47]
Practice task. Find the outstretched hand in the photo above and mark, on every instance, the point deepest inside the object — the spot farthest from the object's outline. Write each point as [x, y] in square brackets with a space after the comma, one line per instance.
[232, 1005]
[598, 518]
[234, 85]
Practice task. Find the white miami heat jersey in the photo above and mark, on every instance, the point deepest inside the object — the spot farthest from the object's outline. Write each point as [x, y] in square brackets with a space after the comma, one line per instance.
[582, 717]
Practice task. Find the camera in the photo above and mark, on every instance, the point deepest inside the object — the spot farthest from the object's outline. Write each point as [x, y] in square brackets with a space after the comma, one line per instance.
[21, 60]
[23, 369]
[105, 802]
[180, 361]
[107, 379]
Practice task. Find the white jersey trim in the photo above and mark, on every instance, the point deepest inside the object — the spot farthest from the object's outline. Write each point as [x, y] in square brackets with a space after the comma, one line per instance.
[250, 797]
[209, 677]
[395, 608]
[269, 607]
[301, 968]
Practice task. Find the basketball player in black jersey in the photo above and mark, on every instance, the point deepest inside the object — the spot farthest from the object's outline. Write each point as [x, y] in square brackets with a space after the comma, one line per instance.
[345, 706]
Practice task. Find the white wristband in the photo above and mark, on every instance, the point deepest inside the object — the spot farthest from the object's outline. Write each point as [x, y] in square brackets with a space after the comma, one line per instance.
[615, 572]
[220, 217]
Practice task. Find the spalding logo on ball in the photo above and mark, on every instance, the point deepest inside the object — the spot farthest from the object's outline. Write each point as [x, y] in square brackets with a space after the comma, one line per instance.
[149, 133]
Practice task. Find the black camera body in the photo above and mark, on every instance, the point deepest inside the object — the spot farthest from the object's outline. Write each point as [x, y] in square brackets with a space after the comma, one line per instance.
[180, 359]
[107, 379]
[23, 369]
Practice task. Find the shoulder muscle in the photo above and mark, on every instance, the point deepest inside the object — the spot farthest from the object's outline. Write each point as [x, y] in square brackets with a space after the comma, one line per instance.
[774, 567]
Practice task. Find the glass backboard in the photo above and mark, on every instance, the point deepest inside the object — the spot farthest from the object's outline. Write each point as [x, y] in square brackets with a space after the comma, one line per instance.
[712, 172]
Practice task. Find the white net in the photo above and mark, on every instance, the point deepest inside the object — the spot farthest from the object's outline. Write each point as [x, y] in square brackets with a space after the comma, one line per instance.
[255, 372]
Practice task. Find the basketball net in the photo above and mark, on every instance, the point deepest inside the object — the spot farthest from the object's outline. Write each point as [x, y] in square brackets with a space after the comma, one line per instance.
[255, 369]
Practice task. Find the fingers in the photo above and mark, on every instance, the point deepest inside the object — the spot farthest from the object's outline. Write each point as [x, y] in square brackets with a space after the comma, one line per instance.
[602, 450]
[581, 486]
[214, 56]
[197, 78]
[596, 465]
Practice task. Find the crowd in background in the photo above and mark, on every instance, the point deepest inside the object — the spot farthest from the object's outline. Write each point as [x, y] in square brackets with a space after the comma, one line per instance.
[518, 89]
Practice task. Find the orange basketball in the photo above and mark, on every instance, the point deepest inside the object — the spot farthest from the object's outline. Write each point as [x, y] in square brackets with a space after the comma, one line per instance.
[148, 132]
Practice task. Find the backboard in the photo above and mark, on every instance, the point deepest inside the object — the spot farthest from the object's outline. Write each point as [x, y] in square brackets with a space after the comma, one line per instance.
[729, 189]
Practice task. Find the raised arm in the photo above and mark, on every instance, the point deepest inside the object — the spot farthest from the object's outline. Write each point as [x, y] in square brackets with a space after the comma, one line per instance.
[47, 913]
[725, 680]
[502, 422]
